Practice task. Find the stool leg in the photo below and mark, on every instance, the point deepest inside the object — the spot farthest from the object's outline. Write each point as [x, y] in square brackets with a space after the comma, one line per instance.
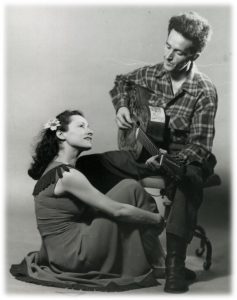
[207, 263]
[201, 234]
[204, 244]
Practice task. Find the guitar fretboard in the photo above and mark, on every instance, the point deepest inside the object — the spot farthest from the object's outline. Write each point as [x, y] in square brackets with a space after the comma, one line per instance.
[147, 143]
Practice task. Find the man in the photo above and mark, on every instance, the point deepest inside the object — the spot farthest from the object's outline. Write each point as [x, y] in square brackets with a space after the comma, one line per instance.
[189, 100]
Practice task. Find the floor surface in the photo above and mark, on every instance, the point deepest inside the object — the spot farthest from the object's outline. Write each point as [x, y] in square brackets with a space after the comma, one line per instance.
[22, 237]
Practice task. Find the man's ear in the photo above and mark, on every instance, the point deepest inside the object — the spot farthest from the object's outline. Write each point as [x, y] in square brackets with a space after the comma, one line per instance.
[60, 135]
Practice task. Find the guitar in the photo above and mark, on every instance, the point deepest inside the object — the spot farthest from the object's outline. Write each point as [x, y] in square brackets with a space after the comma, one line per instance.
[151, 119]
[148, 134]
[173, 165]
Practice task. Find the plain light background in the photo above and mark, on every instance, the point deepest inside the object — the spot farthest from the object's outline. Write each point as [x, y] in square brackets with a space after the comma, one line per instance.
[61, 57]
[67, 57]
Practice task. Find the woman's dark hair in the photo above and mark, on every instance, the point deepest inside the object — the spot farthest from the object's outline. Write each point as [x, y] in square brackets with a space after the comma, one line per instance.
[193, 27]
[48, 146]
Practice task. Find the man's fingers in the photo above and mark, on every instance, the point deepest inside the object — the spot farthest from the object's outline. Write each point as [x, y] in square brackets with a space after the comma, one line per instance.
[123, 118]
[122, 124]
[128, 118]
[153, 163]
[152, 159]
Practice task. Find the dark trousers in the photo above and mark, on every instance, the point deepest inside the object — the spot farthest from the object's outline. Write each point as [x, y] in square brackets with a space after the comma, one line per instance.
[107, 169]
[187, 198]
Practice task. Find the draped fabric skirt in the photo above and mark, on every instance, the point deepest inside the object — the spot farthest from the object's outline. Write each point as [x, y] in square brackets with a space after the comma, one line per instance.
[105, 254]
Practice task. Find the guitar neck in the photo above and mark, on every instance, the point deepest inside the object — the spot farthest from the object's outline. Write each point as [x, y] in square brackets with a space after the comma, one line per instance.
[147, 143]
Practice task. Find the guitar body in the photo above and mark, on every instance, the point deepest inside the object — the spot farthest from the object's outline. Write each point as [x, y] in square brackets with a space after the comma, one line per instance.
[150, 119]
[149, 133]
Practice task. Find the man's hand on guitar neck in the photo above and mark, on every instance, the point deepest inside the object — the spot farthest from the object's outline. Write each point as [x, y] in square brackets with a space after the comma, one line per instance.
[173, 165]
[153, 163]
[123, 118]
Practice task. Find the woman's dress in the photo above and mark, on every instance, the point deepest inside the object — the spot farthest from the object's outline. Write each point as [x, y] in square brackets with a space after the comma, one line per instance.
[83, 248]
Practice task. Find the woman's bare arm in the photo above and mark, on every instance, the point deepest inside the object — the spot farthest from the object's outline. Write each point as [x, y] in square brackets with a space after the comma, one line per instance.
[77, 184]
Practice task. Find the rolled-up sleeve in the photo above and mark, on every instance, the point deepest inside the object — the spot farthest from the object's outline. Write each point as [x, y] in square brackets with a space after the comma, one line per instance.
[119, 93]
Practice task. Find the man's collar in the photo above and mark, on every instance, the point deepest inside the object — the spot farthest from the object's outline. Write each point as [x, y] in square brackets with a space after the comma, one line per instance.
[190, 83]
[160, 71]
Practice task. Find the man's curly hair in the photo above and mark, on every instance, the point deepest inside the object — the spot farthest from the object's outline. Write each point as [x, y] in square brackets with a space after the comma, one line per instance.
[193, 27]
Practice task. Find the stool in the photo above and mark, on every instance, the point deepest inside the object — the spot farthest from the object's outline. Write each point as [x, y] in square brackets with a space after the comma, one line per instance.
[157, 182]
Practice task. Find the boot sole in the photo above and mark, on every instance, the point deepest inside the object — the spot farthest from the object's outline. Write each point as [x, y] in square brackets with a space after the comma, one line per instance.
[159, 273]
[175, 291]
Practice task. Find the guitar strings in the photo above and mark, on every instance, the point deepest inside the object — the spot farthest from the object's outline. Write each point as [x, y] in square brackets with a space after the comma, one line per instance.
[151, 148]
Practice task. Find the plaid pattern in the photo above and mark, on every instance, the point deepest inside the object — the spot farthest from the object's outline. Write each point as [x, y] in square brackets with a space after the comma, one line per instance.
[191, 110]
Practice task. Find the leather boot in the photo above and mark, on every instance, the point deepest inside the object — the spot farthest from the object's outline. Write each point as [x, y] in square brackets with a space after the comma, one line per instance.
[175, 264]
[159, 273]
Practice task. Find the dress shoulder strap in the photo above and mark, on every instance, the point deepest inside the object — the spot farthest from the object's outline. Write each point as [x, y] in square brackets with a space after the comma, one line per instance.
[50, 177]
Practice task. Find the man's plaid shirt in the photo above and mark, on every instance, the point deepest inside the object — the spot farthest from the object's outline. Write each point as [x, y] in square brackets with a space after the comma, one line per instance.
[191, 110]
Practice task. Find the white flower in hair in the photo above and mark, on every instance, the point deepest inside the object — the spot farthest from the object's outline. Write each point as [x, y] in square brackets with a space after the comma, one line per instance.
[52, 124]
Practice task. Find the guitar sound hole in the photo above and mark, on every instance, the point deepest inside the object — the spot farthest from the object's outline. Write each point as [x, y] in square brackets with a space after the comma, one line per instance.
[138, 123]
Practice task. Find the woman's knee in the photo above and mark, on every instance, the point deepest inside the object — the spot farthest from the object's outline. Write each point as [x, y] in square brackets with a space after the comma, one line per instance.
[133, 188]
[126, 191]
[131, 183]
[128, 186]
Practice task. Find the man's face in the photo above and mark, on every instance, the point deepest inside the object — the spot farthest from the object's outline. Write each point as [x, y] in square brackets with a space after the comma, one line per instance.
[177, 52]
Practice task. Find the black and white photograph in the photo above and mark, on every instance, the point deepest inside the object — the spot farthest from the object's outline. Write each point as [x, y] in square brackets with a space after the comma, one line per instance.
[118, 148]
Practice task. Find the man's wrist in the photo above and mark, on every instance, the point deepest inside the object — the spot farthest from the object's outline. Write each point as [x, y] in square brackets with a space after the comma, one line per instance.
[122, 103]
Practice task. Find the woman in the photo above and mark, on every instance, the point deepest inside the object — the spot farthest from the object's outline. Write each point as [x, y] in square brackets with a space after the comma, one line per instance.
[90, 241]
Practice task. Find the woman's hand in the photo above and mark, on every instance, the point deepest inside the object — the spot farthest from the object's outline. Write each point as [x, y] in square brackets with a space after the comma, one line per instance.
[160, 221]
[160, 224]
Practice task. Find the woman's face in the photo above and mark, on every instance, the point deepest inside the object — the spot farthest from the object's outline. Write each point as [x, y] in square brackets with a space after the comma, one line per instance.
[79, 135]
